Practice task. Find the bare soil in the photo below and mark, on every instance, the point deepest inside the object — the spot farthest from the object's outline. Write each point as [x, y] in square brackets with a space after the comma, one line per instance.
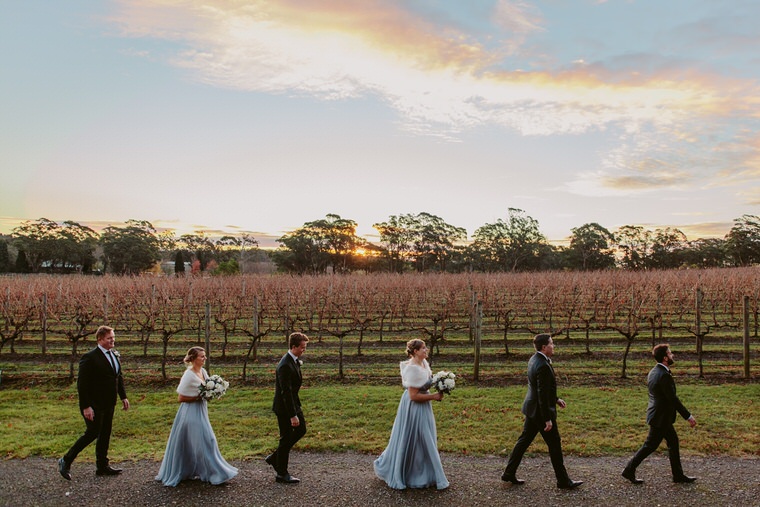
[347, 479]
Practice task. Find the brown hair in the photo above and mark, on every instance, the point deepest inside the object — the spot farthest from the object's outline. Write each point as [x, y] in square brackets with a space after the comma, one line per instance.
[540, 340]
[414, 345]
[192, 354]
[660, 352]
[102, 332]
[296, 339]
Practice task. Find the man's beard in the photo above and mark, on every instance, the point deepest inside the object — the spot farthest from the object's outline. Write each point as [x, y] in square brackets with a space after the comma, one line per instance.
[669, 361]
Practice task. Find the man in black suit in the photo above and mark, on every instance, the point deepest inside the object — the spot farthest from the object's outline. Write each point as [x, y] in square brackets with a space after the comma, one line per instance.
[540, 409]
[99, 382]
[287, 406]
[661, 414]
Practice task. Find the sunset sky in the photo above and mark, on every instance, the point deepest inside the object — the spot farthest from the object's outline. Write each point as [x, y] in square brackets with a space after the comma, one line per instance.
[256, 116]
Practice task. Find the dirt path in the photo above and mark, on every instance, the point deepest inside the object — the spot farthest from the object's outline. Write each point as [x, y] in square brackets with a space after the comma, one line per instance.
[348, 480]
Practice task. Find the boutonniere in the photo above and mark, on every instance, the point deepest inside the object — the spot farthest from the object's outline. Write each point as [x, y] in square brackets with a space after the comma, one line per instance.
[300, 363]
[115, 353]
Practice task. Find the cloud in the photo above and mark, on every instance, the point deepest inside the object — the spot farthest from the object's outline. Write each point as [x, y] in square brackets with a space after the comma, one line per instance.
[675, 124]
[751, 196]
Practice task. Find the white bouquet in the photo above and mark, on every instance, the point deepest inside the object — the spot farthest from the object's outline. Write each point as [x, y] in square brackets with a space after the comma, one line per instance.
[443, 382]
[213, 387]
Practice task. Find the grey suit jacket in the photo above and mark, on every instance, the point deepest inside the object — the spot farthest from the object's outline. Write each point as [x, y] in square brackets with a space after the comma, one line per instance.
[663, 402]
[541, 401]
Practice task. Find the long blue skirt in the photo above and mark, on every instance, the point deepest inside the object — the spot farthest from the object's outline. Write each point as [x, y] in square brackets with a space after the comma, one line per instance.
[411, 459]
[192, 451]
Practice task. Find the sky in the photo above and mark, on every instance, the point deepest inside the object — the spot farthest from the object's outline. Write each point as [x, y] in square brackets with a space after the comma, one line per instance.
[257, 116]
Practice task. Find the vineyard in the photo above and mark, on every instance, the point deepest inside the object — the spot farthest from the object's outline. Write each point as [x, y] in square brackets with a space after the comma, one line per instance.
[480, 325]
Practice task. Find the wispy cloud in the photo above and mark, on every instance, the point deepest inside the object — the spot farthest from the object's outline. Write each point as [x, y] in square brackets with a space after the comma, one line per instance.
[672, 121]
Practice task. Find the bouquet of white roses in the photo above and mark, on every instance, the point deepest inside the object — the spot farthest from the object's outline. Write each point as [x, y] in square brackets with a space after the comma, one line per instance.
[213, 387]
[443, 382]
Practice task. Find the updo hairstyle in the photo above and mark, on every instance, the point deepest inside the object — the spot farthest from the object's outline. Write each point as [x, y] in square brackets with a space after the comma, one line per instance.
[192, 354]
[414, 345]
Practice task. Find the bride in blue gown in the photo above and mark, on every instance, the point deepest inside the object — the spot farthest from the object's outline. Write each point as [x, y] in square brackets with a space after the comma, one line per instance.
[411, 459]
[192, 451]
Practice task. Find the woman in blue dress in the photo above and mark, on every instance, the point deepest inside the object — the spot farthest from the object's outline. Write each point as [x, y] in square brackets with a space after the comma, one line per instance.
[411, 459]
[192, 451]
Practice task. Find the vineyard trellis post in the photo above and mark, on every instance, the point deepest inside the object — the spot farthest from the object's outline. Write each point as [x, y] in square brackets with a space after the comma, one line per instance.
[286, 318]
[657, 319]
[473, 313]
[746, 335]
[698, 329]
[43, 319]
[208, 336]
[105, 307]
[477, 336]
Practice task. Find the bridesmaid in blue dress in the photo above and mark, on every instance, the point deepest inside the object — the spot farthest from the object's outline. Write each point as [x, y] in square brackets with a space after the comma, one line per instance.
[192, 451]
[411, 459]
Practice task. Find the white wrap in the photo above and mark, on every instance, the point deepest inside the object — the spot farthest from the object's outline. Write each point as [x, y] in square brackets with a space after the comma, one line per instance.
[190, 383]
[413, 375]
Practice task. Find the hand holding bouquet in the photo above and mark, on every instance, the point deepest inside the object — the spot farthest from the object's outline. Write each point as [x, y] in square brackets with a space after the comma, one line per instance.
[213, 387]
[443, 382]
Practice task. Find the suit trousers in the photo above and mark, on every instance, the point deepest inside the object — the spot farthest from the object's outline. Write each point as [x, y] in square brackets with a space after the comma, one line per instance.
[98, 429]
[531, 428]
[653, 441]
[289, 435]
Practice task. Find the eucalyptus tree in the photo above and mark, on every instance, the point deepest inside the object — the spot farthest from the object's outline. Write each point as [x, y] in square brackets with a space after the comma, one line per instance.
[668, 248]
[397, 237]
[635, 246]
[300, 253]
[330, 242]
[592, 247]
[37, 239]
[5, 256]
[199, 246]
[46, 243]
[338, 238]
[433, 241]
[515, 244]
[743, 241]
[706, 253]
[76, 246]
[130, 249]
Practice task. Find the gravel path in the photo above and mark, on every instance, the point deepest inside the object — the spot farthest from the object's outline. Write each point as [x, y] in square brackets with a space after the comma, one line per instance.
[348, 480]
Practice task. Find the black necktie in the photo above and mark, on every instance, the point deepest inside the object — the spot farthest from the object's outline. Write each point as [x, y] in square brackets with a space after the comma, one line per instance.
[112, 360]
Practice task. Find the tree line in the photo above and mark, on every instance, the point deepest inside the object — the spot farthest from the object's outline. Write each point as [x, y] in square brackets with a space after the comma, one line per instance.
[419, 242]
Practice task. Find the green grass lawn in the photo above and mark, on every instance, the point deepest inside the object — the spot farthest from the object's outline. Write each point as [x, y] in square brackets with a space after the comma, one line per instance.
[44, 421]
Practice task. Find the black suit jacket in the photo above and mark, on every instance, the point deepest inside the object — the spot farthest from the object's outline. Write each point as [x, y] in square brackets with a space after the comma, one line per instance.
[541, 401]
[287, 384]
[663, 402]
[98, 385]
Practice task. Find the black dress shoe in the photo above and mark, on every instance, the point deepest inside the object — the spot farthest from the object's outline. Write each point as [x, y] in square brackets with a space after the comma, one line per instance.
[271, 461]
[684, 479]
[631, 476]
[570, 484]
[64, 469]
[512, 479]
[108, 471]
[287, 479]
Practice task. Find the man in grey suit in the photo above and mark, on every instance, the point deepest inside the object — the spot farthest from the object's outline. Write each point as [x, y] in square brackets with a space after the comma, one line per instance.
[540, 409]
[661, 414]
[287, 406]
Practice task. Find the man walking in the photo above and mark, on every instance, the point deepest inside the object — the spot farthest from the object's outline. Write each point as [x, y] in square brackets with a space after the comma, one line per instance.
[661, 414]
[99, 382]
[540, 409]
[287, 406]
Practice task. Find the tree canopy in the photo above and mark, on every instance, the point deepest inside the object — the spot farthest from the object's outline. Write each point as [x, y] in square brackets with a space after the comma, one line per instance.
[408, 242]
